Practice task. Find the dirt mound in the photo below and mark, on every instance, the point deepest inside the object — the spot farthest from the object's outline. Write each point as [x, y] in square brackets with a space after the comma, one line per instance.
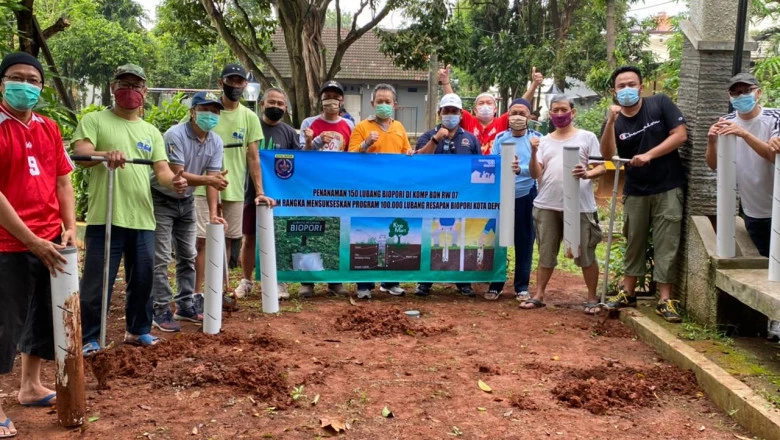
[489, 369]
[384, 322]
[522, 402]
[195, 360]
[598, 391]
[612, 328]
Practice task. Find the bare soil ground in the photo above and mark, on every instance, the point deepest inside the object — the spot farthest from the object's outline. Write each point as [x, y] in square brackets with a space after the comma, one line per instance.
[553, 373]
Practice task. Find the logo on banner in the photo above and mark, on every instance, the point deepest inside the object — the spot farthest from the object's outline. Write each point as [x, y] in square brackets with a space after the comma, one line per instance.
[483, 171]
[284, 165]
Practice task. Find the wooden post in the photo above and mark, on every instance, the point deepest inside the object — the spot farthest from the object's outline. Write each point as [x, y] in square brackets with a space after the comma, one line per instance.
[433, 93]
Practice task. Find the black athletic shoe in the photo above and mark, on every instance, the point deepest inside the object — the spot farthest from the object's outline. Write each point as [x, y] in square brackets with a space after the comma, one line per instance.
[467, 291]
[668, 311]
[620, 301]
[422, 290]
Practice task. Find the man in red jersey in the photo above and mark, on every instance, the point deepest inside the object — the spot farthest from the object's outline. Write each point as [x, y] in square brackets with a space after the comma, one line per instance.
[483, 123]
[36, 201]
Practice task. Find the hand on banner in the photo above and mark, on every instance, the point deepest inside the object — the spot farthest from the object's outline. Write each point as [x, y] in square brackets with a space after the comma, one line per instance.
[308, 134]
[263, 199]
[116, 159]
[218, 181]
[774, 144]
[516, 165]
[179, 183]
[69, 237]
[580, 171]
[49, 254]
[640, 160]
[372, 138]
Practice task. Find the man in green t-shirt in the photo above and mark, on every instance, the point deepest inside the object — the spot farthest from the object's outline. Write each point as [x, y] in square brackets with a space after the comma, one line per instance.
[117, 134]
[239, 128]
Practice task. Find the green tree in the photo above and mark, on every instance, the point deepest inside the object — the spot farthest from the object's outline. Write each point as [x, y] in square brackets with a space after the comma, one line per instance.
[399, 227]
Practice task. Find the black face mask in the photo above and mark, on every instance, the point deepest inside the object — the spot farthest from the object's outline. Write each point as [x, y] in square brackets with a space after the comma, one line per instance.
[273, 113]
[232, 93]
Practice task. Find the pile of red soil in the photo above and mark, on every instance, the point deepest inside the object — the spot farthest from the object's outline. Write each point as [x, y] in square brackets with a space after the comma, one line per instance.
[612, 328]
[385, 322]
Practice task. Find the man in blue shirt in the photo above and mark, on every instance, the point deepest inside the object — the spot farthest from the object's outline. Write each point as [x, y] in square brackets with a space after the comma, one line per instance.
[524, 140]
[192, 147]
[448, 138]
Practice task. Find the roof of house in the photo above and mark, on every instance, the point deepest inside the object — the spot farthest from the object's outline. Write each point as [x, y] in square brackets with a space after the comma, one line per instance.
[362, 61]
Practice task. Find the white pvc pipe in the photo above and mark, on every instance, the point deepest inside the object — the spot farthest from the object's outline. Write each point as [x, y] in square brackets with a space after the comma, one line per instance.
[215, 260]
[462, 244]
[506, 209]
[774, 241]
[68, 360]
[571, 203]
[267, 240]
[727, 196]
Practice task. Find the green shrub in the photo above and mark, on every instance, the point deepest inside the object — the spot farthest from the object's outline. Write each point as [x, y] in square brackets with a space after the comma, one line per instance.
[168, 114]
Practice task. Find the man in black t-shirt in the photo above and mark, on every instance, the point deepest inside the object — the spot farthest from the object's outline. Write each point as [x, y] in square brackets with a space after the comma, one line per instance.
[648, 131]
[277, 135]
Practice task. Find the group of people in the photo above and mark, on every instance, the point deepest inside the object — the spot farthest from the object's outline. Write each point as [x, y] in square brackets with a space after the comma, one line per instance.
[206, 170]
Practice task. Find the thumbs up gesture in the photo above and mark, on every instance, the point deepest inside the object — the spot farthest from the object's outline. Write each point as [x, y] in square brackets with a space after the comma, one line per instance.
[218, 181]
[179, 183]
[536, 77]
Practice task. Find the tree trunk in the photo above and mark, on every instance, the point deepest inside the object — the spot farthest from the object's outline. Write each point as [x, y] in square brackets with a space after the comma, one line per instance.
[105, 99]
[611, 34]
[26, 28]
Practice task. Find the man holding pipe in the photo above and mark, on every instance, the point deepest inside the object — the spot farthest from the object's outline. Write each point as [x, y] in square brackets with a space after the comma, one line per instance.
[648, 131]
[116, 134]
[37, 220]
[194, 148]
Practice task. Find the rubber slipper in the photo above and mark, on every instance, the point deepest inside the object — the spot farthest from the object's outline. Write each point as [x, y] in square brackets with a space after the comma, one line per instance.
[7, 425]
[492, 295]
[534, 302]
[591, 306]
[146, 340]
[43, 402]
[90, 348]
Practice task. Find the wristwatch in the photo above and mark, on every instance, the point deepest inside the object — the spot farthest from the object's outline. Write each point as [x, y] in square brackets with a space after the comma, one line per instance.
[434, 140]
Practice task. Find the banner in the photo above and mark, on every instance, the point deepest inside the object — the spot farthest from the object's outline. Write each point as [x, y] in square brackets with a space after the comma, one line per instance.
[349, 217]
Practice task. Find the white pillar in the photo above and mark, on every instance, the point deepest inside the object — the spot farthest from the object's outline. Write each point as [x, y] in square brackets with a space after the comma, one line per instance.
[774, 242]
[215, 260]
[268, 280]
[506, 210]
[571, 203]
[727, 197]
[68, 360]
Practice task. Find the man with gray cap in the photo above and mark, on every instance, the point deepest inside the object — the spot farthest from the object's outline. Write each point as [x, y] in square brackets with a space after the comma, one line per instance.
[36, 205]
[753, 127]
[193, 147]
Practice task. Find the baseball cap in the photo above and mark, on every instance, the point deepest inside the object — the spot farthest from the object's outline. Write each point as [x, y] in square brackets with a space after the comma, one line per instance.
[130, 69]
[332, 85]
[451, 100]
[234, 69]
[744, 78]
[13, 59]
[206, 98]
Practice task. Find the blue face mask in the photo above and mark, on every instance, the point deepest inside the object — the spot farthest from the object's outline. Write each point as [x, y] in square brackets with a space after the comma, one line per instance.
[20, 95]
[206, 120]
[628, 96]
[450, 121]
[744, 103]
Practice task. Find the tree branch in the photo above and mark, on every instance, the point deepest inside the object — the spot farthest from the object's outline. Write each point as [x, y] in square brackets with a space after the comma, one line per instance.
[60, 25]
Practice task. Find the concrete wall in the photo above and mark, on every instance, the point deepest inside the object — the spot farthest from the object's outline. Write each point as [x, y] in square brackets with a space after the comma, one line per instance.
[411, 102]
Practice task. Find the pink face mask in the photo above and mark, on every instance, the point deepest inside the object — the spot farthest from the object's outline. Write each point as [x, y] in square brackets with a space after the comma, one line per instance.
[561, 120]
[128, 98]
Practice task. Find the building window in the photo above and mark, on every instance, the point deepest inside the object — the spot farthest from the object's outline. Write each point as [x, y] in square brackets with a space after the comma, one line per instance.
[412, 90]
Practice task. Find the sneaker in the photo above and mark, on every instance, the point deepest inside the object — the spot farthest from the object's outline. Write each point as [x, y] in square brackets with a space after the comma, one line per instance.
[281, 289]
[620, 301]
[364, 294]
[165, 322]
[423, 290]
[395, 290]
[244, 288]
[338, 289]
[467, 291]
[197, 302]
[190, 315]
[773, 330]
[306, 291]
[668, 310]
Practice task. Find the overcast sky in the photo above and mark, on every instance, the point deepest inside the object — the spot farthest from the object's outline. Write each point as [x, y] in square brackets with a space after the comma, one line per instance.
[641, 9]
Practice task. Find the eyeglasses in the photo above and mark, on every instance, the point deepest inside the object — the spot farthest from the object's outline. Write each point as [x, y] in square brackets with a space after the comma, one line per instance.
[129, 85]
[33, 81]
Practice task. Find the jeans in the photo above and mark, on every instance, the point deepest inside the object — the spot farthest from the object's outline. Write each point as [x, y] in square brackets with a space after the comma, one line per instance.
[175, 222]
[524, 239]
[137, 246]
[760, 230]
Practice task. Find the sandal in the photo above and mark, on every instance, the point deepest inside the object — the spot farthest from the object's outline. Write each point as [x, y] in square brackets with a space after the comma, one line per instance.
[533, 302]
[90, 347]
[522, 295]
[146, 340]
[7, 425]
[492, 295]
[591, 308]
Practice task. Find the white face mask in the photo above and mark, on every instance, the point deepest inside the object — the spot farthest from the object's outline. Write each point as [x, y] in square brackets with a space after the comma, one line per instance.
[485, 112]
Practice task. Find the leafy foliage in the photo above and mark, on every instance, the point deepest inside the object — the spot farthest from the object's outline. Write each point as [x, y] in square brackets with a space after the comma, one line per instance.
[592, 118]
[327, 244]
[168, 114]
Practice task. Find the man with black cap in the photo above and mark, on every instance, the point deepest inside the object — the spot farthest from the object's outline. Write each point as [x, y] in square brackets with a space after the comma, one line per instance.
[193, 147]
[36, 202]
[116, 134]
[753, 126]
[240, 131]
[326, 132]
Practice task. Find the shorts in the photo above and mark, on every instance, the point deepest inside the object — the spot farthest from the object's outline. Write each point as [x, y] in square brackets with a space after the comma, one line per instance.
[549, 234]
[249, 222]
[231, 212]
[25, 318]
